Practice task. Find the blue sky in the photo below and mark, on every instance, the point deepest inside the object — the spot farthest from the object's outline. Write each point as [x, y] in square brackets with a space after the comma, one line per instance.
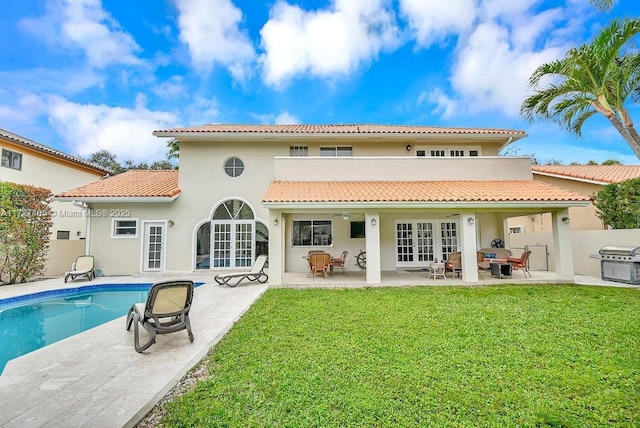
[85, 75]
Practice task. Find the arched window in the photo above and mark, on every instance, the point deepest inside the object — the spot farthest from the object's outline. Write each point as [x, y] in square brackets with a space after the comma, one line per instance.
[233, 238]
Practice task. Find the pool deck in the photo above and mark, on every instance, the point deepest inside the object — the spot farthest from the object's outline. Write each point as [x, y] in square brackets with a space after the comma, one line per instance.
[96, 378]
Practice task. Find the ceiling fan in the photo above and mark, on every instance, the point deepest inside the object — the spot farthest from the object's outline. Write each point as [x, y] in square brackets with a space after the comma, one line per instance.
[346, 216]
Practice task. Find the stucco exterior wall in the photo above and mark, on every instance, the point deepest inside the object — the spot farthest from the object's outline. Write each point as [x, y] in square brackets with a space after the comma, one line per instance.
[401, 168]
[582, 218]
[56, 175]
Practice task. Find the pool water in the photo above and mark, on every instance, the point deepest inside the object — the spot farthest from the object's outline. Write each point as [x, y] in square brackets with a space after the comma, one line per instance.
[31, 322]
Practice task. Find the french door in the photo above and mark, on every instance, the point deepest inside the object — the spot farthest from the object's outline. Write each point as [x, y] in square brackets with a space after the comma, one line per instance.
[419, 242]
[153, 246]
[232, 244]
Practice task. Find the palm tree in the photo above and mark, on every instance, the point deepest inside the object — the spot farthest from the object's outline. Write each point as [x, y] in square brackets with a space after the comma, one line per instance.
[602, 4]
[594, 78]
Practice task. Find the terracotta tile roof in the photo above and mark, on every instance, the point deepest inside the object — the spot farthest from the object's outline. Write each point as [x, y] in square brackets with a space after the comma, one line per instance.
[22, 141]
[418, 191]
[601, 173]
[354, 129]
[132, 184]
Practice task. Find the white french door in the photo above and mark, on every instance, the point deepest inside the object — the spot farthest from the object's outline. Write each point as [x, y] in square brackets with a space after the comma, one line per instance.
[154, 238]
[232, 244]
[419, 242]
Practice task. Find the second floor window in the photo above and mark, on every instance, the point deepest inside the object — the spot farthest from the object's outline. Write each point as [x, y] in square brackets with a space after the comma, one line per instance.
[298, 151]
[336, 151]
[233, 167]
[11, 159]
[447, 152]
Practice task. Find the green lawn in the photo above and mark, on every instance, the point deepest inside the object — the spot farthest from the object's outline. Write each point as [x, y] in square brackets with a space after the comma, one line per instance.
[425, 356]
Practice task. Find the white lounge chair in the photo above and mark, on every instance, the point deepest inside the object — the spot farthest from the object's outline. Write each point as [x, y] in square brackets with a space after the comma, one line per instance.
[256, 274]
[165, 311]
[82, 267]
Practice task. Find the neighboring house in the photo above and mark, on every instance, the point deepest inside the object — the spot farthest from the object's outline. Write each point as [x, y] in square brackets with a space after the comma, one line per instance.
[405, 194]
[24, 161]
[583, 179]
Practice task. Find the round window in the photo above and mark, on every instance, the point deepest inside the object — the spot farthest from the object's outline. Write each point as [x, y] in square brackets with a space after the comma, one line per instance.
[233, 167]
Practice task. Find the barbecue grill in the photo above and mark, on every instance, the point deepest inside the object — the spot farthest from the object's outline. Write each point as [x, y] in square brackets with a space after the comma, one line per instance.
[621, 264]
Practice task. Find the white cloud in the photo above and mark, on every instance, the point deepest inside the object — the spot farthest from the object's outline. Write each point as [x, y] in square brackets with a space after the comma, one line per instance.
[285, 118]
[325, 43]
[171, 88]
[445, 106]
[88, 128]
[492, 73]
[433, 21]
[85, 25]
[210, 28]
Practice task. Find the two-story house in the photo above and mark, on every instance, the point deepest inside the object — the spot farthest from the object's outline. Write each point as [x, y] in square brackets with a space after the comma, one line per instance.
[24, 161]
[407, 195]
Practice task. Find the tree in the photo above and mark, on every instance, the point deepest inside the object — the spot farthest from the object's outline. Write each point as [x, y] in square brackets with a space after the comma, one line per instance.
[618, 204]
[25, 223]
[107, 160]
[603, 5]
[174, 149]
[612, 162]
[594, 78]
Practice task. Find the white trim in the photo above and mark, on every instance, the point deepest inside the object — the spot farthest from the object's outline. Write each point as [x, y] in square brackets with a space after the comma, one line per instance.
[113, 227]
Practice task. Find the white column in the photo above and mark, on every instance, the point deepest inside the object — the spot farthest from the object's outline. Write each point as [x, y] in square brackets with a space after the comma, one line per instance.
[372, 232]
[468, 247]
[562, 248]
[276, 247]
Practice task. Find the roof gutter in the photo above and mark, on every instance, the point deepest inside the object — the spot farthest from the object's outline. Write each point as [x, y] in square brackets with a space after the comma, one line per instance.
[118, 199]
[425, 205]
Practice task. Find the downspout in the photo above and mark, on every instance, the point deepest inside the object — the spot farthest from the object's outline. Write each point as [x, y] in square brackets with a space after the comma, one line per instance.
[87, 227]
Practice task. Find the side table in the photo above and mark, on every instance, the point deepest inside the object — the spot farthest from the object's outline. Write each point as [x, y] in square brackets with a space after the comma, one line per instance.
[500, 270]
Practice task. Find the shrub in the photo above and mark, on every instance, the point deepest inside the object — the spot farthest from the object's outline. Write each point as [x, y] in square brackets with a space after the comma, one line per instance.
[618, 204]
[25, 222]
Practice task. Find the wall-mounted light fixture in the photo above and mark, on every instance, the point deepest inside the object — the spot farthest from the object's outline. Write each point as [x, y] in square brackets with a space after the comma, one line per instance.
[78, 233]
[345, 216]
[275, 221]
[170, 223]
[471, 220]
[408, 147]
[374, 222]
[566, 220]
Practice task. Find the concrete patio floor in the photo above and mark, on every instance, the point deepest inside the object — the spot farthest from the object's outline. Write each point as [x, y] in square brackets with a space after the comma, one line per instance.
[97, 379]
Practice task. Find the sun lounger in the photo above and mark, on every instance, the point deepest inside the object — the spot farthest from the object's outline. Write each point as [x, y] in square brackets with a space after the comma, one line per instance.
[256, 274]
[82, 267]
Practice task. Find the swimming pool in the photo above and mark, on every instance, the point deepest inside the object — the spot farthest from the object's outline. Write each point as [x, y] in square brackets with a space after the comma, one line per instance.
[36, 320]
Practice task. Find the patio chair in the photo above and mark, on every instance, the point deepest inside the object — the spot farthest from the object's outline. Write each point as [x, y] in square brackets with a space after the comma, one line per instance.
[83, 266]
[319, 262]
[340, 262]
[520, 263]
[454, 263]
[165, 311]
[256, 273]
[480, 261]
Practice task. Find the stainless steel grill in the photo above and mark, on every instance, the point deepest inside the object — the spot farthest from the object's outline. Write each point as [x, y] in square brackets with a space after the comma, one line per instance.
[620, 264]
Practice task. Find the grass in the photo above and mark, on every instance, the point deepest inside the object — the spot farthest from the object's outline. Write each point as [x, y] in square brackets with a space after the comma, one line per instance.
[425, 356]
